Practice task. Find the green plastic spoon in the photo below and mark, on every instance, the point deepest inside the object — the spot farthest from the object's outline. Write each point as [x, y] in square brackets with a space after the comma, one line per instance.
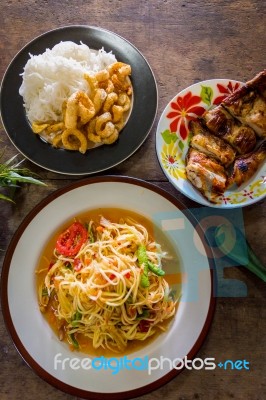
[232, 242]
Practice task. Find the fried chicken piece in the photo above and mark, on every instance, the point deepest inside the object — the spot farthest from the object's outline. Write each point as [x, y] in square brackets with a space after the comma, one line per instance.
[211, 145]
[242, 138]
[206, 174]
[249, 107]
[246, 166]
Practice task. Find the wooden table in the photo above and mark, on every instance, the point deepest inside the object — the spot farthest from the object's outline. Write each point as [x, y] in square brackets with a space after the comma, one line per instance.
[184, 42]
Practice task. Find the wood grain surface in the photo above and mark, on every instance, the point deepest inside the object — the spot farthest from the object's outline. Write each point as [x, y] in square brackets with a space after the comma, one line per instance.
[184, 42]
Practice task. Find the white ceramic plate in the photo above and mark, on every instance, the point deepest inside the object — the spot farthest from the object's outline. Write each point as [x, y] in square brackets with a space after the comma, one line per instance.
[34, 338]
[172, 138]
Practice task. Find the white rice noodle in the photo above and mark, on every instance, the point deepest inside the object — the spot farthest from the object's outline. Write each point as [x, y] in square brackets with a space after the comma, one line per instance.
[50, 78]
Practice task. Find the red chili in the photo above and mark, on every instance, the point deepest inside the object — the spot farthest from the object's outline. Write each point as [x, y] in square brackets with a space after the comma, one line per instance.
[71, 240]
[127, 275]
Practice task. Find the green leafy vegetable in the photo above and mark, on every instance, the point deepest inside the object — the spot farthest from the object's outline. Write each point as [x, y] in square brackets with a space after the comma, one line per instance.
[12, 174]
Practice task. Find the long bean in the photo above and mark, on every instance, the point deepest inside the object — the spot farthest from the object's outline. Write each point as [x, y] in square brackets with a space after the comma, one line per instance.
[155, 269]
[143, 260]
[147, 265]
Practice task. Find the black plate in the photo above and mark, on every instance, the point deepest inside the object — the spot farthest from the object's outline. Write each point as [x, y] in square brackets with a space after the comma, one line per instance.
[98, 159]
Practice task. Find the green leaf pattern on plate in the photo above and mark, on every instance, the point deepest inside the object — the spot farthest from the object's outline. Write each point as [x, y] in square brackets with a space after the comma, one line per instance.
[169, 137]
[206, 94]
[181, 145]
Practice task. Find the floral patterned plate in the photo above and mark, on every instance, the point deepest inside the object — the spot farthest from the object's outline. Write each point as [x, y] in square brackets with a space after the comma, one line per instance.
[172, 142]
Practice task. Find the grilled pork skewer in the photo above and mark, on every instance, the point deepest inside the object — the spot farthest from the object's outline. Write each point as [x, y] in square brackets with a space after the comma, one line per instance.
[242, 138]
[246, 166]
[206, 174]
[203, 141]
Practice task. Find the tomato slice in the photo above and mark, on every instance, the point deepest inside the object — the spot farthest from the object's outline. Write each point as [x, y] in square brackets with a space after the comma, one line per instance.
[70, 241]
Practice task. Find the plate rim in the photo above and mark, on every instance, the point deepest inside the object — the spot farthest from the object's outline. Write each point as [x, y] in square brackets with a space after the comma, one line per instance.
[171, 179]
[96, 29]
[42, 373]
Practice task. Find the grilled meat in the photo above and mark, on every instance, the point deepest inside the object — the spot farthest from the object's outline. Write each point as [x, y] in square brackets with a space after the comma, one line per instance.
[249, 107]
[210, 145]
[242, 138]
[206, 174]
[246, 166]
[259, 83]
[235, 127]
